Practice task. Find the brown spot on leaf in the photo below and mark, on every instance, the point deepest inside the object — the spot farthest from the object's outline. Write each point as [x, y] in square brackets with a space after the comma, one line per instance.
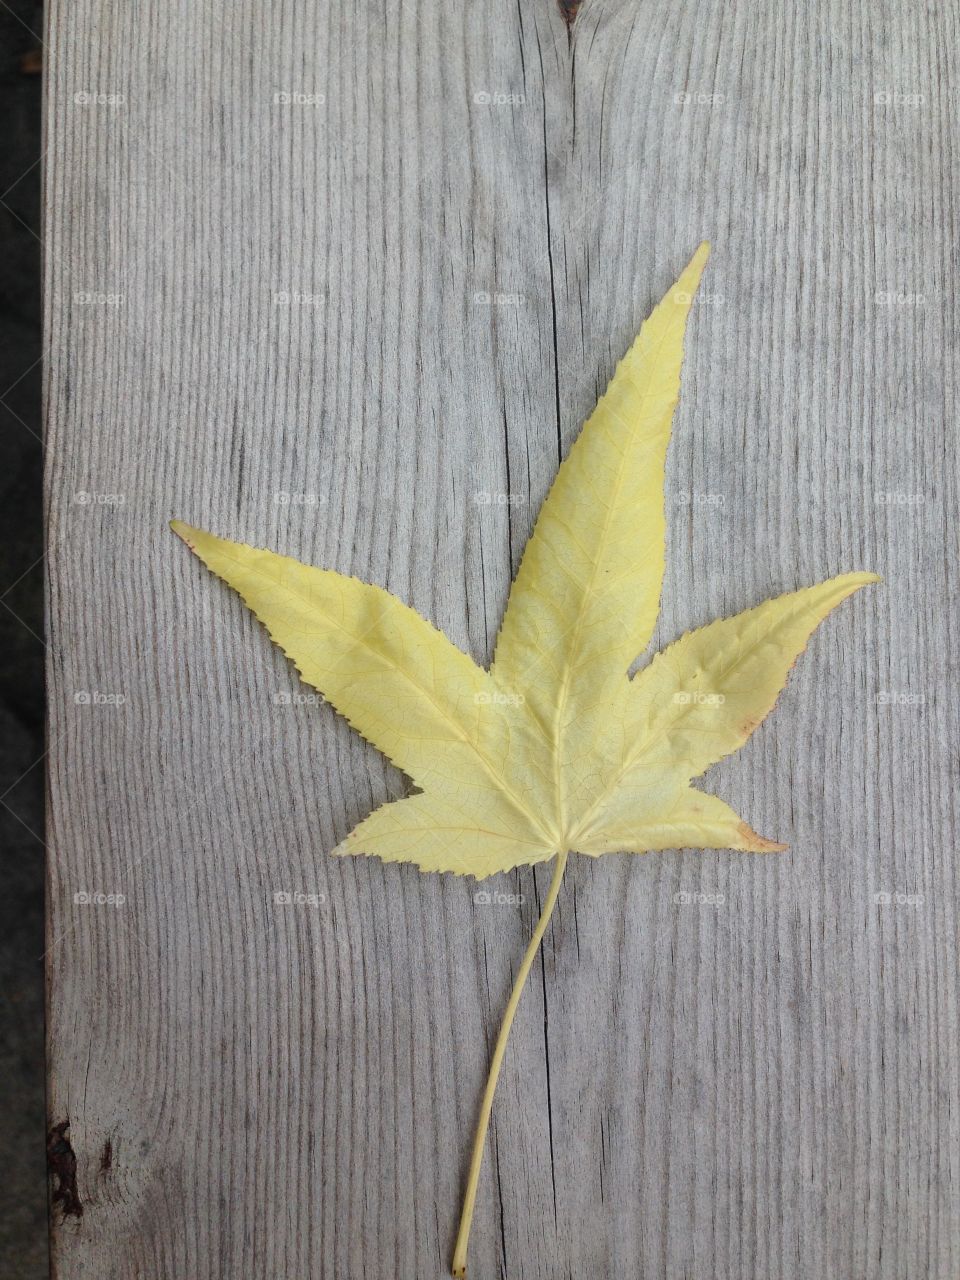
[759, 843]
[747, 726]
[62, 1164]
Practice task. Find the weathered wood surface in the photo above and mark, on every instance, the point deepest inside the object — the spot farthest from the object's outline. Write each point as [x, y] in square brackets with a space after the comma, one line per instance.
[761, 1088]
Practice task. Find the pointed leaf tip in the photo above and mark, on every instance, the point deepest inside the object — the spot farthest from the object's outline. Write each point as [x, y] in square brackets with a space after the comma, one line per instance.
[183, 531]
[756, 843]
[689, 281]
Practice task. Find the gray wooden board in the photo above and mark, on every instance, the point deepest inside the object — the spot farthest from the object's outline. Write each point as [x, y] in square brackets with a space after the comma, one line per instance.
[344, 281]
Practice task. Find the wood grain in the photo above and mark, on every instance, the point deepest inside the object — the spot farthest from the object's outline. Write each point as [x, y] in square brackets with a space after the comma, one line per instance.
[344, 281]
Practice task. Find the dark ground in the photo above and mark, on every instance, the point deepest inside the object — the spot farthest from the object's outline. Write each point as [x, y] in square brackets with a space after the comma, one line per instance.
[23, 1229]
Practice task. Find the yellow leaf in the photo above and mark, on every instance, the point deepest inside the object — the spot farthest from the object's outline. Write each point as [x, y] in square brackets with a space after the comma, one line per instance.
[689, 819]
[587, 594]
[443, 833]
[408, 690]
[699, 700]
[554, 750]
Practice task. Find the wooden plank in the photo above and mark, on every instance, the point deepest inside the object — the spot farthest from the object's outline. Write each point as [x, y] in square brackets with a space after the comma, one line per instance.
[344, 282]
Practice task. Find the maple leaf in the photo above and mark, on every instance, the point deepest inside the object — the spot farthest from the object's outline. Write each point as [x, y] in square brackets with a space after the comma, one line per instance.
[554, 749]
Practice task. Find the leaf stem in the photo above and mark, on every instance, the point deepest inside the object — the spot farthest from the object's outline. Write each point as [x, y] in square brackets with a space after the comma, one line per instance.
[459, 1267]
